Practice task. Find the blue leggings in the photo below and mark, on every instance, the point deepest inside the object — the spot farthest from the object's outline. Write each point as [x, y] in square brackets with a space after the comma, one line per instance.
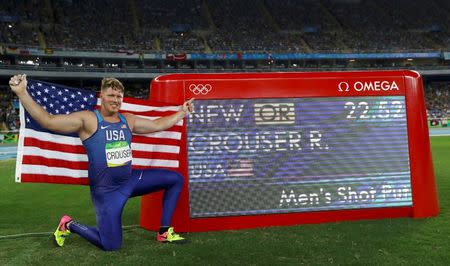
[109, 206]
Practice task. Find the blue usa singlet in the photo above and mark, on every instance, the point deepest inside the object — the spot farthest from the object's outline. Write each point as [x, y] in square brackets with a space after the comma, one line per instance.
[112, 182]
[109, 153]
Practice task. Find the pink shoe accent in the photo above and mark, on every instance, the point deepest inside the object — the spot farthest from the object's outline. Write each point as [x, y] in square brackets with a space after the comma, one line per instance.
[161, 238]
[62, 223]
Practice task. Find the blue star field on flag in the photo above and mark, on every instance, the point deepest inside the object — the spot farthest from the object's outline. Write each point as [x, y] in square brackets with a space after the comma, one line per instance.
[57, 99]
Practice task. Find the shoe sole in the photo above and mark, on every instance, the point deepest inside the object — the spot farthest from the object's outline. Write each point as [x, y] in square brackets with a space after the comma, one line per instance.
[178, 242]
[54, 241]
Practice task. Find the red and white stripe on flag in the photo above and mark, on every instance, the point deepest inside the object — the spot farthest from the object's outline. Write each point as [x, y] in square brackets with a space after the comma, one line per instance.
[45, 157]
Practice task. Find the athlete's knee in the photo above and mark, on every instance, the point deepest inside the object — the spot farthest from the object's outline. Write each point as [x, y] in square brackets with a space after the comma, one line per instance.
[178, 179]
[110, 242]
[111, 246]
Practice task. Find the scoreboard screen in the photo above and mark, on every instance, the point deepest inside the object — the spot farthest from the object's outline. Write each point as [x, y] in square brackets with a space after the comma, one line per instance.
[281, 155]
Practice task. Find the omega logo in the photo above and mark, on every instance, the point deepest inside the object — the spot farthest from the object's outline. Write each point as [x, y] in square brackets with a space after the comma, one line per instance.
[361, 86]
[343, 86]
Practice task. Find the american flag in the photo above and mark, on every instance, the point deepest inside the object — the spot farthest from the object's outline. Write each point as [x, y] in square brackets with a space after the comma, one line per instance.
[48, 157]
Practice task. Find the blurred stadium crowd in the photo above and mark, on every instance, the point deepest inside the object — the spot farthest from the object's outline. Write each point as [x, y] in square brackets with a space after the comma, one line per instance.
[227, 25]
[437, 99]
[222, 26]
[9, 119]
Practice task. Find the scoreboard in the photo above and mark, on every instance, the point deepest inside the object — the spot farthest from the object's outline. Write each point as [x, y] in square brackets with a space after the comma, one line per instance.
[292, 148]
[258, 156]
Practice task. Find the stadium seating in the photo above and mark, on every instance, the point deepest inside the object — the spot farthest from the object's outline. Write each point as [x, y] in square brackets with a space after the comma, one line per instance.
[227, 25]
[437, 97]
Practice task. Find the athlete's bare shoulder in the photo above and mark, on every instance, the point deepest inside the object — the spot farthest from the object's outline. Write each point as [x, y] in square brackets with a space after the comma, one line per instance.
[89, 126]
[130, 119]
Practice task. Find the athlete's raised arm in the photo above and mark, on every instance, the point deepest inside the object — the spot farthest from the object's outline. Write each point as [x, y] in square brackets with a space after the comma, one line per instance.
[62, 123]
[143, 126]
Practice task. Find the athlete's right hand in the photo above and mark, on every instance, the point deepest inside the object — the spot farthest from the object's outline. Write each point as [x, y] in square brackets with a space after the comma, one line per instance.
[18, 83]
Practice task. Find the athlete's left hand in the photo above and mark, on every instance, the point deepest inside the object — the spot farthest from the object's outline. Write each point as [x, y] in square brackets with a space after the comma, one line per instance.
[188, 106]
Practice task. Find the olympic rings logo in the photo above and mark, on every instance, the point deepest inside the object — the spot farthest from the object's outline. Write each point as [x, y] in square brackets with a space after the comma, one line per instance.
[200, 89]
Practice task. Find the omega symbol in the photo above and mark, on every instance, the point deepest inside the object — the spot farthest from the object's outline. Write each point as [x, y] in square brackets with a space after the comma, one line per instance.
[343, 86]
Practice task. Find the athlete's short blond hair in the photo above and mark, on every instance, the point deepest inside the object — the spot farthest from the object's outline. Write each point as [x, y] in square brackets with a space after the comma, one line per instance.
[113, 83]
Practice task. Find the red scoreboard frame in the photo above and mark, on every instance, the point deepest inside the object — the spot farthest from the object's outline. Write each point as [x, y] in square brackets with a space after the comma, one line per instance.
[175, 89]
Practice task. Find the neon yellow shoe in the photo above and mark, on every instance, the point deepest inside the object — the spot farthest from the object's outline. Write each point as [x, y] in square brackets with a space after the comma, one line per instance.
[170, 237]
[62, 231]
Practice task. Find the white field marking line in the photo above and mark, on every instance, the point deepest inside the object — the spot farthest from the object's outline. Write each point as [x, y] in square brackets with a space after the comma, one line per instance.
[47, 233]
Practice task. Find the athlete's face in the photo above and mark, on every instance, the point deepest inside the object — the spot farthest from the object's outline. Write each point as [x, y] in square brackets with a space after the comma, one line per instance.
[111, 100]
